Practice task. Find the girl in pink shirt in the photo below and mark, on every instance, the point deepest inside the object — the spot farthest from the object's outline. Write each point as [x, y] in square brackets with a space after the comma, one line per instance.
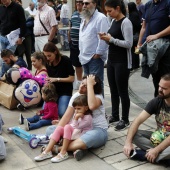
[80, 123]
[48, 114]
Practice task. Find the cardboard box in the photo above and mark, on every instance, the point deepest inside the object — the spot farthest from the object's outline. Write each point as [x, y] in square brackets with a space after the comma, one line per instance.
[7, 98]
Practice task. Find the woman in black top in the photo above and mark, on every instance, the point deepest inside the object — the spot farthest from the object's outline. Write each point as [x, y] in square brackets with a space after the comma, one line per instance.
[134, 17]
[119, 37]
[61, 73]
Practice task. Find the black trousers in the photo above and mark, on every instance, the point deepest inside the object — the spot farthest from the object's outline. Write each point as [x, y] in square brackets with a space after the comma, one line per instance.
[118, 76]
[25, 47]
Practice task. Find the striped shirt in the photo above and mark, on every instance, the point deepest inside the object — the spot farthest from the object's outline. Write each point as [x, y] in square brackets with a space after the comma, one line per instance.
[75, 26]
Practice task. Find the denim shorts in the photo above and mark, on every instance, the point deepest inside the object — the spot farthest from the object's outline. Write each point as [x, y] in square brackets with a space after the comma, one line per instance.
[95, 138]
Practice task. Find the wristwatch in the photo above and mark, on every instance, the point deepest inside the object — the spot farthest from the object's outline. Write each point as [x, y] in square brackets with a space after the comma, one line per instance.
[58, 79]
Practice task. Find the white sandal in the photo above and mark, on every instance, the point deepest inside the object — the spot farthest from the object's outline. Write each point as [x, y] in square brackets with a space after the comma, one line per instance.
[59, 158]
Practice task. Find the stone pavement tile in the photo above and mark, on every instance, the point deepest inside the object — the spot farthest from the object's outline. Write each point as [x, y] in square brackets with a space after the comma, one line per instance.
[149, 166]
[127, 164]
[16, 159]
[141, 86]
[115, 158]
[112, 134]
[111, 148]
[89, 162]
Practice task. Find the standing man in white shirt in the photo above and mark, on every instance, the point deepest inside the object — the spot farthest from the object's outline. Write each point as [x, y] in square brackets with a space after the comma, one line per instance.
[64, 18]
[31, 9]
[45, 25]
[93, 51]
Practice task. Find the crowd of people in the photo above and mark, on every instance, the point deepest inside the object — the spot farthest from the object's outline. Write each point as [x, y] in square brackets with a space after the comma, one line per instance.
[94, 38]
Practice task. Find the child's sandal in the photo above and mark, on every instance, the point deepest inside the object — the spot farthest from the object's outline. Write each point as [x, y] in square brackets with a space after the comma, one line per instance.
[60, 158]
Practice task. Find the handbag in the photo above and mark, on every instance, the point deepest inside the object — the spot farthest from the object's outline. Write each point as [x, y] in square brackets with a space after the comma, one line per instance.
[55, 39]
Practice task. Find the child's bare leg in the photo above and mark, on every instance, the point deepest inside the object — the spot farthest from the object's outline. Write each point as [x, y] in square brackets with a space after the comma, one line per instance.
[50, 146]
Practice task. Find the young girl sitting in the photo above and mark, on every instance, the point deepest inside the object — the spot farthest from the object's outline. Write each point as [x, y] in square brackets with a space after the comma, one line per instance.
[81, 122]
[38, 61]
[43, 117]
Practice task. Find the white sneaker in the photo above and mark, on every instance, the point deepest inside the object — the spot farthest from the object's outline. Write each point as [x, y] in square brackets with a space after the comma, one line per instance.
[43, 156]
[21, 119]
[26, 123]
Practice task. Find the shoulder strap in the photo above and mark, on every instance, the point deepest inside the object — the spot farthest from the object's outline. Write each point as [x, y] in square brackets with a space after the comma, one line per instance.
[43, 25]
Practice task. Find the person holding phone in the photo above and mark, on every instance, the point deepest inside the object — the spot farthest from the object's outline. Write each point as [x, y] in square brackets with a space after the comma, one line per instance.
[120, 40]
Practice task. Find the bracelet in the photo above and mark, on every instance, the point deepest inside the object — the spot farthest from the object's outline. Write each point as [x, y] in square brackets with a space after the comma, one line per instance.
[58, 79]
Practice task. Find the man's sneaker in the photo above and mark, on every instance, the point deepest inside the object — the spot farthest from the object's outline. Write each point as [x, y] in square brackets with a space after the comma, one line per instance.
[21, 119]
[112, 120]
[122, 125]
[43, 156]
[138, 154]
[27, 125]
[79, 154]
[20, 107]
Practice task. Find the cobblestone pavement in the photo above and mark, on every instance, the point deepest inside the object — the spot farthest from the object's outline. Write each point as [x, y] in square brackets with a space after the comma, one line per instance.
[20, 156]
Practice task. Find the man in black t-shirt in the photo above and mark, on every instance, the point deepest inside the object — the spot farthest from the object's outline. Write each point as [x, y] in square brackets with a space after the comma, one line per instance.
[160, 107]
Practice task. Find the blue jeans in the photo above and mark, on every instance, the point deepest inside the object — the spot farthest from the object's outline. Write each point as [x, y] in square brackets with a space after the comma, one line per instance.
[4, 44]
[96, 67]
[65, 22]
[4, 69]
[63, 102]
[95, 138]
[36, 122]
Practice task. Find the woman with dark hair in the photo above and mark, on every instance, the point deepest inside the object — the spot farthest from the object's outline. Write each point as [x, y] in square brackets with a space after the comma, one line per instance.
[120, 39]
[90, 85]
[61, 73]
[39, 62]
[134, 17]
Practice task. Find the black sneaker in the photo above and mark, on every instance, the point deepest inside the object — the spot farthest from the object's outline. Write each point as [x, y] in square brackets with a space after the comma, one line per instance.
[21, 119]
[112, 120]
[79, 154]
[20, 107]
[122, 125]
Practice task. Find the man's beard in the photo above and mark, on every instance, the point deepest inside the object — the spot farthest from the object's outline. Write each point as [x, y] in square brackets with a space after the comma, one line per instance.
[11, 63]
[87, 13]
[162, 96]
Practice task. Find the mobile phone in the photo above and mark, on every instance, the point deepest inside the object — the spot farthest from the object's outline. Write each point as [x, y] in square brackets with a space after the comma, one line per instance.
[102, 33]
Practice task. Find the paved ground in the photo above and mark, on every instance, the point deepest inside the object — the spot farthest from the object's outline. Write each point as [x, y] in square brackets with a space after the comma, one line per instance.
[20, 155]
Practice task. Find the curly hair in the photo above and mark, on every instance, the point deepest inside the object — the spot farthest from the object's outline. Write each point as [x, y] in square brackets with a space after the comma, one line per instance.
[49, 91]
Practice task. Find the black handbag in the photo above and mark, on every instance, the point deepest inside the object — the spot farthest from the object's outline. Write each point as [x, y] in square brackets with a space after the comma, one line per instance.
[55, 39]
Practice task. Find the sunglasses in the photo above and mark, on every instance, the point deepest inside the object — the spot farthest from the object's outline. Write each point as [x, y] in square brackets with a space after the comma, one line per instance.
[86, 3]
